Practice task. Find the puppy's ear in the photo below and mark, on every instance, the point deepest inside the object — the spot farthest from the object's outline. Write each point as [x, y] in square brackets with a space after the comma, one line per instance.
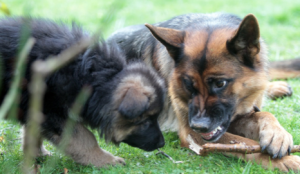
[133, 104]
[172, 39]
[246, 40]
[90, 60]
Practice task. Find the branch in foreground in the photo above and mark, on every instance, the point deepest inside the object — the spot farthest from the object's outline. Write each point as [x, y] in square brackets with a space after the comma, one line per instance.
[37, 87]
[19, 72]
[74, 113]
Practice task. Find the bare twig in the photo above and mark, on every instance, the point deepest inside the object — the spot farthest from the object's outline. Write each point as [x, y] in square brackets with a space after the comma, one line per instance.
[73, 119]
[166, 155]
[41, 69]
[19, 72]
[54, 63]
[74, 116]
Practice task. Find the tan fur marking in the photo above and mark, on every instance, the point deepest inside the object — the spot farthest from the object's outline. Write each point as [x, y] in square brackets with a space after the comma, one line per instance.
[136, 84]
[216, 46]
[194, 43]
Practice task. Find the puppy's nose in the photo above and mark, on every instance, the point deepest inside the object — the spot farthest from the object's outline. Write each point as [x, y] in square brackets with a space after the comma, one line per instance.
[161, 142]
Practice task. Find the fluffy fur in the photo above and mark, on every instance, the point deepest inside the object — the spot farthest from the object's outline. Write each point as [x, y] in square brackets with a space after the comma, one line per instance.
[217, 72]
[126, 97]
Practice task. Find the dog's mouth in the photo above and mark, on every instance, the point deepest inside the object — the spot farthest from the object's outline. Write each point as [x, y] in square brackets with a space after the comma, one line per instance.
[213, 135]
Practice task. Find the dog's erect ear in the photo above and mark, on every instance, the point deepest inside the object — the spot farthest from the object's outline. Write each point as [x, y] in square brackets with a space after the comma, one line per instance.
[133, 104]
[246, 40]
[172, 39]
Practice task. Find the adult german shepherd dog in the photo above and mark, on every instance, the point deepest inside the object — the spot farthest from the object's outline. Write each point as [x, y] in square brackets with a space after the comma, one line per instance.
[124, 105]
[216, 69]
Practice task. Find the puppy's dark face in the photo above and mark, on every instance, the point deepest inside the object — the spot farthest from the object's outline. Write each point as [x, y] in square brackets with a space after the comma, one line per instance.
[218, 74]
[139, 98]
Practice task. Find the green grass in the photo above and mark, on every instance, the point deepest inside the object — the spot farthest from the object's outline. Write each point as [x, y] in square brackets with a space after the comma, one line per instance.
[279, 23]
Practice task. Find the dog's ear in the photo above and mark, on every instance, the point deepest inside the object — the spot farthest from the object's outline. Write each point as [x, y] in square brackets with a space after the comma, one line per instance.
[134, 103]
[90, 60]
[246, 40]
[172, 39]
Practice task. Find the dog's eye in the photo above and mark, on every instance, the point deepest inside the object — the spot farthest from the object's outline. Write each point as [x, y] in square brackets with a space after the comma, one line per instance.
[188, 83]
[145, 124]
[220, 83]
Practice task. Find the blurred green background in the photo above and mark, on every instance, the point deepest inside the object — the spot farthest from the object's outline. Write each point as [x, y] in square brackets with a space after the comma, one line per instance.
[279, 19]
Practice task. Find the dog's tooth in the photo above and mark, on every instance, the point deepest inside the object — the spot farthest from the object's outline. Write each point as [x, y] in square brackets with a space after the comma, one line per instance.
[219, 128]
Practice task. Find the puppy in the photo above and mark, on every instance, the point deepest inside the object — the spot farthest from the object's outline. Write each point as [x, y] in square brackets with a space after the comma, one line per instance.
[126, 97]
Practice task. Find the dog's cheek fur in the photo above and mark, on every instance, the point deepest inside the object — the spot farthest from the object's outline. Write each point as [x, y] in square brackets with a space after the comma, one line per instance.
[249, 90]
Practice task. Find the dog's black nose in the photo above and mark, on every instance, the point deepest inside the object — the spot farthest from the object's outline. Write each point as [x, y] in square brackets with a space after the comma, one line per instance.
[201, 124]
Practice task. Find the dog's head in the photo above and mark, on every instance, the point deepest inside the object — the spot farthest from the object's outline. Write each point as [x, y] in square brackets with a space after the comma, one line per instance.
[139, 100]
[219, 73]
[126, 100]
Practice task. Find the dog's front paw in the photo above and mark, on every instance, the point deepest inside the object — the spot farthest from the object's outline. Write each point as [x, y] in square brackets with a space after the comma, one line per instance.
[287, 163]
[118, 161]
[107, 159]
[275, 140]
[279, 89]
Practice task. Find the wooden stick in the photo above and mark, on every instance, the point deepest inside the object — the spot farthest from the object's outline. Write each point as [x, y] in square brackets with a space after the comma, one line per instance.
[233, 147]
[12, 94]
[37, 87]
[241, 148]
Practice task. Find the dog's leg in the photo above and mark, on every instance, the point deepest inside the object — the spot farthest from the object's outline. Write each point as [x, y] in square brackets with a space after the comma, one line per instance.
[84, 149]
[278, 89]
[184, 131]
[42, 150]
[286, 163]
[263, 126]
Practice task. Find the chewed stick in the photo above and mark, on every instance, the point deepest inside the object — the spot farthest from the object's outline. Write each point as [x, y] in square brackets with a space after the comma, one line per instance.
[241, 148]
[234, 147]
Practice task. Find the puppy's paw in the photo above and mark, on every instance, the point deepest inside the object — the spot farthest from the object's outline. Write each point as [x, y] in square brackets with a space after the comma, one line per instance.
[110, 160]
[43, 151]
[275, 140]
[279, 89]
[118, 161]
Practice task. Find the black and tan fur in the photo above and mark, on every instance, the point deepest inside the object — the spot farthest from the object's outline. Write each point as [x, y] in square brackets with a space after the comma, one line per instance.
[124, 105]
[216, 69]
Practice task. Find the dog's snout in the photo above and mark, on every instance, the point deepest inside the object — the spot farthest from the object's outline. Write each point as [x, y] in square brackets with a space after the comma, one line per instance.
[201, 125]
[200, 122]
